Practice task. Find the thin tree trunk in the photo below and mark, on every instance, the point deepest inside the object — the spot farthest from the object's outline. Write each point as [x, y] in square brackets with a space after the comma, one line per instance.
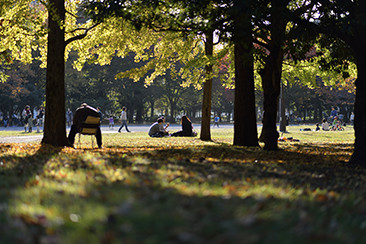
[152, 103]
[55, 124]
[205, 134]
[282, 108]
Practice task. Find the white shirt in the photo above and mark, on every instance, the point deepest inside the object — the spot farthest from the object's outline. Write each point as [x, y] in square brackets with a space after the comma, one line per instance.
[123, 115]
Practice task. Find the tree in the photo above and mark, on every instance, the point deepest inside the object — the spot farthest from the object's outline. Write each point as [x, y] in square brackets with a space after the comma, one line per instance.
[55, 124]
[188, 20]
[345, 20]
[245, 126]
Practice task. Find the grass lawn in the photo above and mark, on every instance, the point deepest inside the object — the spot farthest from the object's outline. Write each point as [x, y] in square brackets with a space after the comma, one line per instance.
[182, 190]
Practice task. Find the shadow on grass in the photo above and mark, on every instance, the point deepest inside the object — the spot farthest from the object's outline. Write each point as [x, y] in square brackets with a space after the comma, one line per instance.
[201, 194]
[15, 171]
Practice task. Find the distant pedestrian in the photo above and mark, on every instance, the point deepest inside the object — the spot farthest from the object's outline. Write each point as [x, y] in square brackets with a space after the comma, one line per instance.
[111, 122]
[69, 117]
[352, 118]
[216, 121]
[40, 116]
[6, 119]
[333, 113]
[27, 119]
[123, 120]
[100, 114]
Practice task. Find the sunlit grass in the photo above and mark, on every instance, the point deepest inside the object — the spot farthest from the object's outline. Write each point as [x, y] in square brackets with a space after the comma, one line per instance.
[139, 189]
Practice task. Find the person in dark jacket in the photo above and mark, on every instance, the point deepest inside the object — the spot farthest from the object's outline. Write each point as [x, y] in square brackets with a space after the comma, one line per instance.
[187, 128]
[80, 116]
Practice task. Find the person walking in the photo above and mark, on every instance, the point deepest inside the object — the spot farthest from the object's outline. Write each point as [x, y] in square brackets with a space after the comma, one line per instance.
[40, 116]
[124, 120]
[216, 121]
[27, 118]
[352, 118]
[111, 122]
[69, 117]
[100, 114]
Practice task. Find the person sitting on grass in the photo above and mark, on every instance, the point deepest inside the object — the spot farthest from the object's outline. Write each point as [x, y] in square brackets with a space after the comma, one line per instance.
[317, 127]
[157, 129]
[325, 125]
[336, 123]
[187, 128]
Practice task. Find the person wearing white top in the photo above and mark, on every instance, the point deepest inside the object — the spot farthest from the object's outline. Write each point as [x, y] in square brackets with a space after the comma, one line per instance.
[325, 125]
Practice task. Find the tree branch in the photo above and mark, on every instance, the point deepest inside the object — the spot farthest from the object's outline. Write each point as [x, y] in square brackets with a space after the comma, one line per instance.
[79, 37]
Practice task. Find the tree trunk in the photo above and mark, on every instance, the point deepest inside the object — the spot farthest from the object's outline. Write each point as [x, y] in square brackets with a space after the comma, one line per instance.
[207, 93]
[139, 111]
[173, 106]
[271, 91]
[245, 125]
[152, 103]
[271, 80]
[359, 154]
[283, 120]
[55, 124]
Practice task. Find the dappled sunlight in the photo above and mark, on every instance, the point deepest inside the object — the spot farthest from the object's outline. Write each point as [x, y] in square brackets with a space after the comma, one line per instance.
[183, 184]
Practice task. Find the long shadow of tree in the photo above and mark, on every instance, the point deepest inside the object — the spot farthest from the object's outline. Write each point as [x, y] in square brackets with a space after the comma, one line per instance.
[16, 170]
[166, 196]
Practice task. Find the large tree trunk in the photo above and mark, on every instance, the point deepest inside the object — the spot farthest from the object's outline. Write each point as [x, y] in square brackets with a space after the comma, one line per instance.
[55, 124]
[245, 125]
[207, 92]
[359, 154]
[271, 78]
[245, 122]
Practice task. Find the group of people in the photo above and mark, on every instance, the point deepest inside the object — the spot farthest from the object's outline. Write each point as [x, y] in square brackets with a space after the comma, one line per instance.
[29, 121]
[158, 129]
[336, 121]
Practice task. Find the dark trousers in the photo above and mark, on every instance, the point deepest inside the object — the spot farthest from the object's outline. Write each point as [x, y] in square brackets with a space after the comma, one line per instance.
[74, 131]
[124, 123]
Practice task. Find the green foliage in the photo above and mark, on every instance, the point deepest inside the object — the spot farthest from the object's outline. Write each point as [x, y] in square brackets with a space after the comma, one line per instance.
[21, 29]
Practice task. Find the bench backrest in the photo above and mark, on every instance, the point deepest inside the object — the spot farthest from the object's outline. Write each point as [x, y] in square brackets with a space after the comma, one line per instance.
[90, 125]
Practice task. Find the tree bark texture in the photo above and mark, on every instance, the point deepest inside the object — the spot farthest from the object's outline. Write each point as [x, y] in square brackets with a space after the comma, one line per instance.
[359, 154]
[245, 125]
[271, 79]
[205, 134]
[55, 124]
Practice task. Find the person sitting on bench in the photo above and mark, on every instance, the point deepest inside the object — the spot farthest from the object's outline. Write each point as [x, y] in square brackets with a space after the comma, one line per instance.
[86, 121]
